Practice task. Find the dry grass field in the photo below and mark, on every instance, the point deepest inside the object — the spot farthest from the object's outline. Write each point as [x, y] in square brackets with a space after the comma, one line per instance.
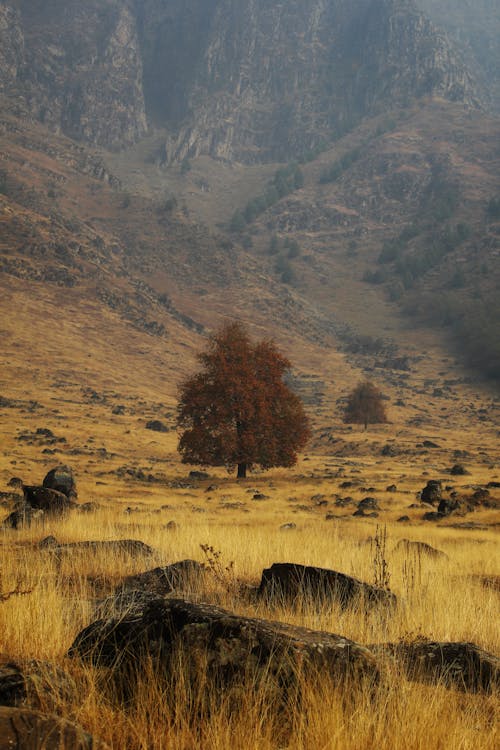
[78, 372]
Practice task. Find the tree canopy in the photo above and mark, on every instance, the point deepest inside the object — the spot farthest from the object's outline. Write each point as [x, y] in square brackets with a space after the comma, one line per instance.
[237, 410]
[365, 405]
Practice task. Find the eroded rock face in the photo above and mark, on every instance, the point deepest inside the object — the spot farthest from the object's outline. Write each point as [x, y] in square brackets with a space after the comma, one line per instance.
[24, 729]
[246, 81]
[218, 645]
[305, 585]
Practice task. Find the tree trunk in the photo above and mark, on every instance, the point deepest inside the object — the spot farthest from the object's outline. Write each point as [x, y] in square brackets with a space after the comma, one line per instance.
[242, 471]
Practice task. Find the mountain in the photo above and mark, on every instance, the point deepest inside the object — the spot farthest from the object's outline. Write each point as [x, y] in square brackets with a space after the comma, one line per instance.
[150, 165]
[251, 81]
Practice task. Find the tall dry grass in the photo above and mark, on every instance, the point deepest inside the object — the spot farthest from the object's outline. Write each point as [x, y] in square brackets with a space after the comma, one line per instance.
[438, 598]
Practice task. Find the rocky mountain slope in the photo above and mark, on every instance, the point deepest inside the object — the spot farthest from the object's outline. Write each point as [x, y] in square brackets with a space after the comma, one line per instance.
[249, 81]
[133, 132]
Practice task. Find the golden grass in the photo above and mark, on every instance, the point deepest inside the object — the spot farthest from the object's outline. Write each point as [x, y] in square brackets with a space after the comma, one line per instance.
[438, 599]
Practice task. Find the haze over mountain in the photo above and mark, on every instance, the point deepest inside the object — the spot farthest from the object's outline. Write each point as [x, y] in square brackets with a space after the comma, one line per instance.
[150, 150]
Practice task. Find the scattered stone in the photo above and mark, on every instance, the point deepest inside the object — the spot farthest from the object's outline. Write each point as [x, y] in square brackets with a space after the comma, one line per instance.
[288, 526]
[24, 729]
[157, 426]
[430, 444]
[458, 470]
[403, 519]
[171, 526]
[432, 492]
[391, 488]
[15, 482]
[420, 548]
[432, 516]
[260, 496]
[447, 506]
[304, 584]
[343, 502]
[362, 512]
[462, 666]
[231, 648]
[61, 479]
[493, 485]
[368, 503]
[198, 475]
[52, 502]
[119, 410]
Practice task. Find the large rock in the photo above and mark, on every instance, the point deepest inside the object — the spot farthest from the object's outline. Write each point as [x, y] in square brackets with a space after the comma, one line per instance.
[457, 665]
[220, 648]
[62, 479]
[136, 592]
[131, 547]
[164, 580]
[24, 729]
[50, 501]
[293, 584]
[432, 492]
[33, 683]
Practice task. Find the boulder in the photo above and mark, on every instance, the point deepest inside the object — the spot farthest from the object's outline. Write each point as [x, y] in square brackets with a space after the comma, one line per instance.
[164, 580]
[23, 517]
[219, 649]
[62, 479]
[50, 501]
[293, 584]
[33, 683]
[431, 492]
[463, 666]
[24, 729]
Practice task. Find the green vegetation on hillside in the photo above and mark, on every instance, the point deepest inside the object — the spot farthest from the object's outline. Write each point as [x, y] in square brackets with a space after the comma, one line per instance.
[285, 181]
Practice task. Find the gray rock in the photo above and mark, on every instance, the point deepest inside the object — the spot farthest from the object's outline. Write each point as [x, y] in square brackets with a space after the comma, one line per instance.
[62, 479]
[23, 517]
[302, 585]
[431, 492]
[232, 649]
[52, 502]
[459, 665]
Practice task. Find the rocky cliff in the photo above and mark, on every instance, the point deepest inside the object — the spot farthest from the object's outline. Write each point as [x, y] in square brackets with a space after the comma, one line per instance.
[250, 81]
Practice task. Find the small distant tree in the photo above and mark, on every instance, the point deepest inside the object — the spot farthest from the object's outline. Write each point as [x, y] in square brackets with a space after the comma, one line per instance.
[365, 405]
[237, 411]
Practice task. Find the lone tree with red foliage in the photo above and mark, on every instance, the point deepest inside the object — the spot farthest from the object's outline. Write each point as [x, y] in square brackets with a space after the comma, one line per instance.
[365, 405]
[237, 411]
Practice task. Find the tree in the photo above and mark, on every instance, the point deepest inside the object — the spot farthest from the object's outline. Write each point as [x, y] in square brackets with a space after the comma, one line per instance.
[365, 405]
[237, 411]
